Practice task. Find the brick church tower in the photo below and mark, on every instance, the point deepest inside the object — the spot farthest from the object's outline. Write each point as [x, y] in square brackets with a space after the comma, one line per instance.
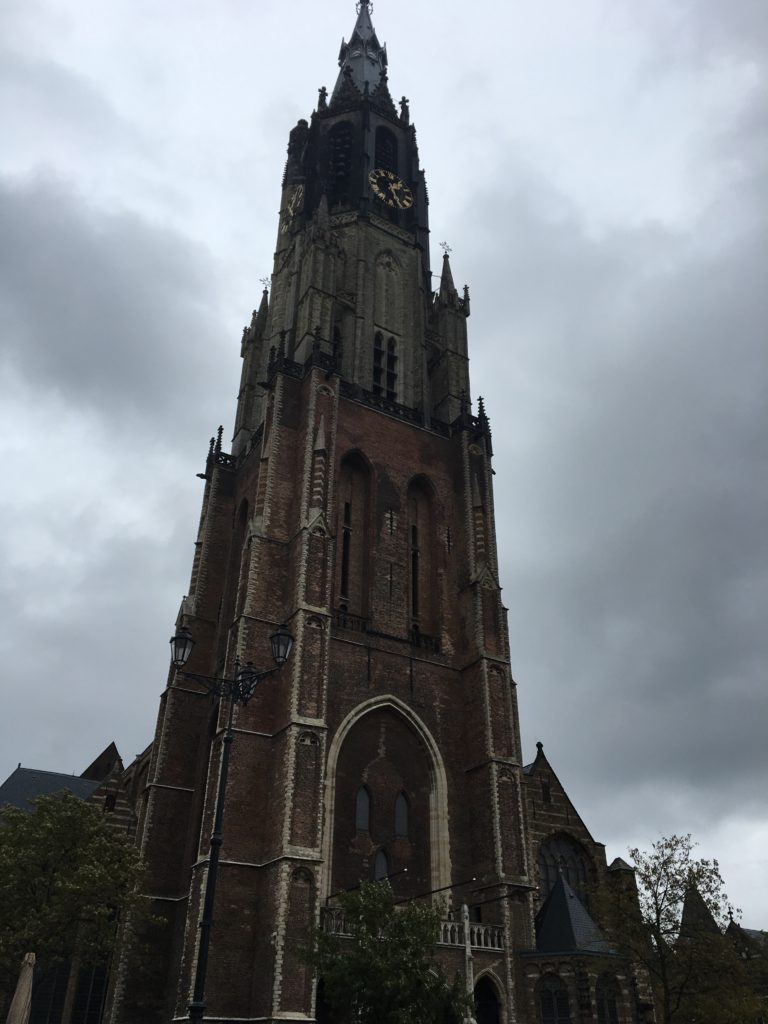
[356, 506]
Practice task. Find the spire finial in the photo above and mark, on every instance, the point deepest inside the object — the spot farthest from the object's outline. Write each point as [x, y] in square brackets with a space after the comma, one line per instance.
[540, 747]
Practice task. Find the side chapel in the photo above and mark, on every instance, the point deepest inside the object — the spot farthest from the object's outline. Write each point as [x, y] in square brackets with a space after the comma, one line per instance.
[356, 505]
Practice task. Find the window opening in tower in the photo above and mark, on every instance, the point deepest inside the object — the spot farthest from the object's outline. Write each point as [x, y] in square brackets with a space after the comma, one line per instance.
[340, 161]
[386, 150]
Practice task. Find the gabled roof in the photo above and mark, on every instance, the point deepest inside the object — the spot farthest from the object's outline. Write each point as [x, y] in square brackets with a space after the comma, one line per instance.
[619, 864]
[104, 764]
[24, 784]
[696, 919]
[541, 762]
[564, 925]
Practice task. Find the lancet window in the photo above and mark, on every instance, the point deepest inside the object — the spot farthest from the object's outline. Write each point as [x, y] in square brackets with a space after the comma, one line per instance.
[385, 367]
[386, 150]
[401, 816]
[339, 161]
[362, 810]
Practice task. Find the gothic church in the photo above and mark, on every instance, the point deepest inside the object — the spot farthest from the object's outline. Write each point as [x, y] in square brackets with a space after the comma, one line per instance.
[356, 506]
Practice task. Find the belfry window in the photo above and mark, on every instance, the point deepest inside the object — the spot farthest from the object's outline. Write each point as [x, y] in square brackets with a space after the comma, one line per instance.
[386, 150]
[362, 810]
[339, 161]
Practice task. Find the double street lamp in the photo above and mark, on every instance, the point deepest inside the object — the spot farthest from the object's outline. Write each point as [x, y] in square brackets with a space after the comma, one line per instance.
[238, 690]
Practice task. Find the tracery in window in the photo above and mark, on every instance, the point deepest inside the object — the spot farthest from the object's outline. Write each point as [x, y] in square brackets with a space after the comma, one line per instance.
[554, 1004]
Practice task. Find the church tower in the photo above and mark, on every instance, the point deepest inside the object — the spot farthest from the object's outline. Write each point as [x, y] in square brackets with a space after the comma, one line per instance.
[356, 505]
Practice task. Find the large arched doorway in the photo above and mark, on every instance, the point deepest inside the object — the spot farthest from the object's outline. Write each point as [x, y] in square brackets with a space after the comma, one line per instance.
[487, 1010]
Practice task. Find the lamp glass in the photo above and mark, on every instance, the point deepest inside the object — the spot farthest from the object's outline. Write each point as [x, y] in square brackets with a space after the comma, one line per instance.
[282, 642]
[181, 646]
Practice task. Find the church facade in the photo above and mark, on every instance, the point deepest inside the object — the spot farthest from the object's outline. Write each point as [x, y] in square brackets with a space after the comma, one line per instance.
[356, 506]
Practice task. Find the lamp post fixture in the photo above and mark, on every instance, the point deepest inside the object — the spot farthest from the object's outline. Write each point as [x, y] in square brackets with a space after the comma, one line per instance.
[235, 691]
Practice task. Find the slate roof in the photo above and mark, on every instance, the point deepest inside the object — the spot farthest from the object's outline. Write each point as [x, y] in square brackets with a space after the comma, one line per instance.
[619, 864]
[564, 925]
[24, 784]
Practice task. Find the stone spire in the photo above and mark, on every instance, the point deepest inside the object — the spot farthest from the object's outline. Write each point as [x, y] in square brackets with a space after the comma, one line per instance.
[363, 59]
[447, 287]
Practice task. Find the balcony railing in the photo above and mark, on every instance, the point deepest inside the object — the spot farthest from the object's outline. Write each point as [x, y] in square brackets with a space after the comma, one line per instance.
[451, 933]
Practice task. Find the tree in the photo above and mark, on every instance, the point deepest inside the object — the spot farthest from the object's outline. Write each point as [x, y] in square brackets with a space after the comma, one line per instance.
[377, 964]
[696, 972]
[65, 877]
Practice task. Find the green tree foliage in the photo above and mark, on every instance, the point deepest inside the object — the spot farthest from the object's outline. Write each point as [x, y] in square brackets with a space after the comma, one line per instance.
[678, 936]
[65, 877]
[382, 969]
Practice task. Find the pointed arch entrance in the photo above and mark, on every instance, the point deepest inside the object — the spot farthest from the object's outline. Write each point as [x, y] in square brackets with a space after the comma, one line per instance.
[487, 1006]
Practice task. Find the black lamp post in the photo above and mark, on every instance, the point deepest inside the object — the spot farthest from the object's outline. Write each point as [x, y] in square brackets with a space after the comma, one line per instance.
[236, 691]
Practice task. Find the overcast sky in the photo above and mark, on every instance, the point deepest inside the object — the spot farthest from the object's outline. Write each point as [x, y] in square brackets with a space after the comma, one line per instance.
[599, 169]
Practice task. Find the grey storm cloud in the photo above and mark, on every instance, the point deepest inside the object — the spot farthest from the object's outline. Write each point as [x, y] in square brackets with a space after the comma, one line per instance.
[104, 307]
[621, 351]
[636, 564]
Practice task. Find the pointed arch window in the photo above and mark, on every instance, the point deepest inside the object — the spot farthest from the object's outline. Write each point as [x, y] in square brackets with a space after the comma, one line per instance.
[386, 150]
[385, 367]
[363, 810]
[554, 1004]
[401, 816]
[339, 161]
[380, 866]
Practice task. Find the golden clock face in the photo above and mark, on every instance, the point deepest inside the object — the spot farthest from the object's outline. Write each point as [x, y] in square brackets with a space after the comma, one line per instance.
[386, 186]
[292, 207]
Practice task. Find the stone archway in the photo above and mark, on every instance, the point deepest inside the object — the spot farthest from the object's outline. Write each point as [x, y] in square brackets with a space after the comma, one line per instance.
[487, 1008]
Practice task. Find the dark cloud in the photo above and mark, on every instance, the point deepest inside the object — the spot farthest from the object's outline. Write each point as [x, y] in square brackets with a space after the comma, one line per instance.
[625, 374]
[111, 311]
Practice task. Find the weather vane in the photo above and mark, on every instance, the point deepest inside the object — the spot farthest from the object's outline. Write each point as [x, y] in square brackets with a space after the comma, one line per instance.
[447, 250]
[264, 282]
